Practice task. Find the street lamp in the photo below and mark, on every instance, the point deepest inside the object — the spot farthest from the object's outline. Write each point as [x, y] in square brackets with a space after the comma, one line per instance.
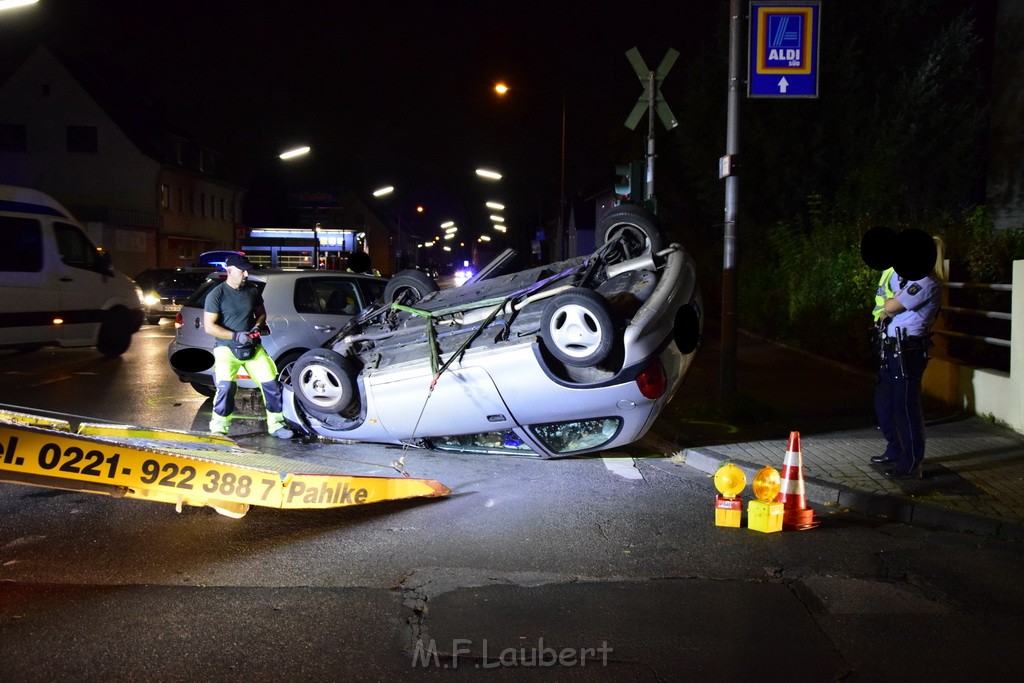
[502, 89]
[11, 4]
[292, 153]
[488, 174]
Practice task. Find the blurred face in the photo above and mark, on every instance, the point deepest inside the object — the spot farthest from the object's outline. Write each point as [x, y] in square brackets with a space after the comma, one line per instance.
[236, 276]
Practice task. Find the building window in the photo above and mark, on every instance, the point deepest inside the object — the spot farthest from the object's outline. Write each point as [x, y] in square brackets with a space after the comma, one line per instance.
[165, 196]
[13, 137]
[192, 202]
[202, 203]
[83, 140]
[222, 216]
[181, 201]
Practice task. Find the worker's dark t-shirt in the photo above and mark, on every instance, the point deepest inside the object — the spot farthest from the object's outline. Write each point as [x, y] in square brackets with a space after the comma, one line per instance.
[236, 308]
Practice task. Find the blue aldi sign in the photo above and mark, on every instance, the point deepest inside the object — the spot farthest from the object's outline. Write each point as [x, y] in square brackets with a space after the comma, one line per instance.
[783, 49]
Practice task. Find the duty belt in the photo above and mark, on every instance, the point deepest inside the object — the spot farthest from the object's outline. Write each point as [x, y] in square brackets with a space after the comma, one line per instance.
[908, 342]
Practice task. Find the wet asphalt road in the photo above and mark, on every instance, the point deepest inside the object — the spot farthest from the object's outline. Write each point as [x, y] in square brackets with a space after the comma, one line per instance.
[601, 568]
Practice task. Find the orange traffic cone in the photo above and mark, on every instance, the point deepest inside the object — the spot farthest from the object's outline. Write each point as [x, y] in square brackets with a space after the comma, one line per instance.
[796, 514]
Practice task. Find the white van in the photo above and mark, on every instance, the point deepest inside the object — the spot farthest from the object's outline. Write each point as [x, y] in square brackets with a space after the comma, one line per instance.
[56, 287]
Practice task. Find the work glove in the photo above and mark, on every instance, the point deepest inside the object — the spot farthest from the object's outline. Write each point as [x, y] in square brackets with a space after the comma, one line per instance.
[243, 338]
[255, 333]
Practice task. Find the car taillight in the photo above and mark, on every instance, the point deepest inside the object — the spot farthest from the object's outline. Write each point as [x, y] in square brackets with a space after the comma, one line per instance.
[178, 321]
[652, 381]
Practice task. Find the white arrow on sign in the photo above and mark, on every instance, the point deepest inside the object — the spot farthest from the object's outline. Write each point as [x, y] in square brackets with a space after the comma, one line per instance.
[783, 84]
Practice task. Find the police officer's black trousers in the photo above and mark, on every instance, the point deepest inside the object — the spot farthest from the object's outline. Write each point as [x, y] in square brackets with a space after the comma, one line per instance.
[898, 407]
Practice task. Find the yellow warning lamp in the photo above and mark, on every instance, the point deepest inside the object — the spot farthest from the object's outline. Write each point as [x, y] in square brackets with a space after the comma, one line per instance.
[767, 483]
[730, 480]
[764, 514]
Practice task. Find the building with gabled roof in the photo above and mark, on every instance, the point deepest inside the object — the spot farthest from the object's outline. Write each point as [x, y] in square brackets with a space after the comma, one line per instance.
[149, 195]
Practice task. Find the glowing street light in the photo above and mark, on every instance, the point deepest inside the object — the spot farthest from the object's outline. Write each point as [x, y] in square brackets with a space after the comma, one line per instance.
[488, 174]
[11, 4]
[292, 153]
[447, 224]
[500, 88]
[500, 228]
[498, 219]
[497, 206]
[382, 191]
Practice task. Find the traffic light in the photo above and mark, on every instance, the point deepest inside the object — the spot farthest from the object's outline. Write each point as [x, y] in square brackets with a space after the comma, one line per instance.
[629, 181]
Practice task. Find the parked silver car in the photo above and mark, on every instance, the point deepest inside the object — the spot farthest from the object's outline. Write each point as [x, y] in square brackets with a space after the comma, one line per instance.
[567, 358]
[304, 309]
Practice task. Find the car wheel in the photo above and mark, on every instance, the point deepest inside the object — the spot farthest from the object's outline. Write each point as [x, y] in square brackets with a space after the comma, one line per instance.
[409, 286]
[324, 382]
[204, 389]
[577, 328]
[115, 332]
[153, 320]
[286, 362]
[633, 228]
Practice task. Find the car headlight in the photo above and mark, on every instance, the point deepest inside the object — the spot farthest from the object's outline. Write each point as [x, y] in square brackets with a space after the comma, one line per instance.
[577, 435]
[150, 299]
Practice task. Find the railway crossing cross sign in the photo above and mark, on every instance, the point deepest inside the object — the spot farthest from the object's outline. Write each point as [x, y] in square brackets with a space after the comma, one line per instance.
[651, 98]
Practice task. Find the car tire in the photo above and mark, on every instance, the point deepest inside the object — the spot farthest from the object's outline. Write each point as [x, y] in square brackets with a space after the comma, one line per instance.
[153, 320]
[577, 327]
[288, 358]
[115, 332]
[204, 389]
[634, 228]
[324, 382]
[409, 286]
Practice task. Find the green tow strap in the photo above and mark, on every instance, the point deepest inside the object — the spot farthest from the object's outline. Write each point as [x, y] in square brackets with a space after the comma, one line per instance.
[436, 368]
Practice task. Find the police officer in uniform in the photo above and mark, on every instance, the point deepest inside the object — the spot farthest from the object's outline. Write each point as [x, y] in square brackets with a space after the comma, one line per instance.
[904, 324]
[233, 314]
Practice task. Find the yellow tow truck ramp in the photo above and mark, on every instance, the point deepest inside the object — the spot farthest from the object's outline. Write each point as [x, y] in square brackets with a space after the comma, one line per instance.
[181, 468]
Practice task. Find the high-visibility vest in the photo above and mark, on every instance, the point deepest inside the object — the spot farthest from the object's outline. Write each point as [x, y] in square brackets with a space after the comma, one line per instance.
[883, 292]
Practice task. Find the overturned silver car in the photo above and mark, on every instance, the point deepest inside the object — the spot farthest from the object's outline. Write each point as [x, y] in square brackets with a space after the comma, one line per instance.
[568, 358]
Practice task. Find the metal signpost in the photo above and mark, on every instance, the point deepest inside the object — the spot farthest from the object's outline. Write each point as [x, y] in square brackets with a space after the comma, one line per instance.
[783, 62]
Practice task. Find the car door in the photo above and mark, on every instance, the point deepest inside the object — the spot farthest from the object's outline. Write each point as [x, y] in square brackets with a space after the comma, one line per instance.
[84, 276]
[324, 303]
[29, 292]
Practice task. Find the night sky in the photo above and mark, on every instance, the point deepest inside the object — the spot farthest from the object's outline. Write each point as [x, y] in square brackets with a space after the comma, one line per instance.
[388, 92]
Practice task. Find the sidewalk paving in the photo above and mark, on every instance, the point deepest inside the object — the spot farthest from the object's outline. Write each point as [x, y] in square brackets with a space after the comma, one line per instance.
[973, 469]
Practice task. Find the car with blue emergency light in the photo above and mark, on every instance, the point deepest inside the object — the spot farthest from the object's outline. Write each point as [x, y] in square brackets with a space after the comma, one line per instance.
[562, 359]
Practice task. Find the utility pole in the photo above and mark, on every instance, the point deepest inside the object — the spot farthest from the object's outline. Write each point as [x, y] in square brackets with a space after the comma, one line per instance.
[727, 169]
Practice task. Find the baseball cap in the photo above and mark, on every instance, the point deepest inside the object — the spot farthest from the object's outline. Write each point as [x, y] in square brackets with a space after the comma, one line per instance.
[238, 261]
